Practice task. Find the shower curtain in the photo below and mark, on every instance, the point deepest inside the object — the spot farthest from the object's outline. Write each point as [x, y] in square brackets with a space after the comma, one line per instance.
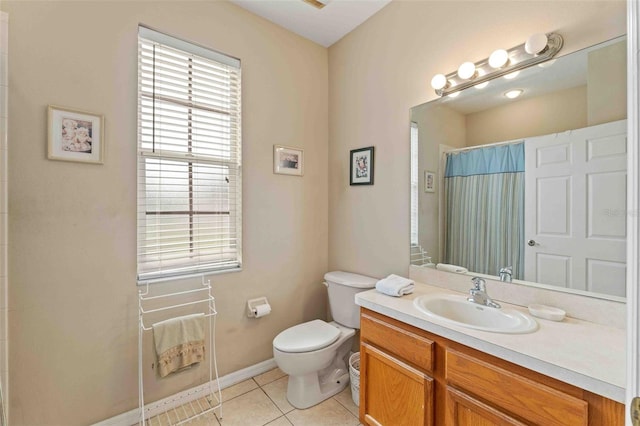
[484, 209]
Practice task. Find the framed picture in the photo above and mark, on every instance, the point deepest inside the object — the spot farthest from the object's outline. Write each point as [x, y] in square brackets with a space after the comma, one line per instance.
[288, 160]
[75, 135]
[429, 181]
[361, 166]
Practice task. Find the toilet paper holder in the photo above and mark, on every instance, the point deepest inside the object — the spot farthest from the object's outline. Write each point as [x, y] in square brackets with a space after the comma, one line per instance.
[258, 307]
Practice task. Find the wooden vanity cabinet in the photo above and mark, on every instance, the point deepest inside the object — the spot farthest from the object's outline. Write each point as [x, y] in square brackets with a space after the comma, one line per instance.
[463, 409]
[399, 390]
[411, 377]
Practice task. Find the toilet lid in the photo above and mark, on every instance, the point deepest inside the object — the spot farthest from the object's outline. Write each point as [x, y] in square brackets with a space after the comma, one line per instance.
[305, 337]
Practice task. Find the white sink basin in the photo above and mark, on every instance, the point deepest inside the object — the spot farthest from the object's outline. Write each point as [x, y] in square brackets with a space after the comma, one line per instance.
[458, 310]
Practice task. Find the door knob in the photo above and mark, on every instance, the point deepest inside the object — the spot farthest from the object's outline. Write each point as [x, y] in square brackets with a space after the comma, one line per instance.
[531, 243]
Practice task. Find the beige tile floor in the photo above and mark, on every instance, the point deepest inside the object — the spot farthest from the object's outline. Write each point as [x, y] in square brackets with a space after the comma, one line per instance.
[262, 401]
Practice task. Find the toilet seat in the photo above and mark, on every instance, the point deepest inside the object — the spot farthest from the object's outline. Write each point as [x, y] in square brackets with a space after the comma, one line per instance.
[306, 337]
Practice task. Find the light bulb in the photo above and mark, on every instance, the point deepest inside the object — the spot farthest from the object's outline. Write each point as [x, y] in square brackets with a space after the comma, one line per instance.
[536, 43]
[466, 70]
[439, 82]
[512, 94]
[498, 58]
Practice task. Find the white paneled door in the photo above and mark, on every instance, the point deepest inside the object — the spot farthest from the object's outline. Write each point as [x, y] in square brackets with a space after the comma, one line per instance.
[575, 208]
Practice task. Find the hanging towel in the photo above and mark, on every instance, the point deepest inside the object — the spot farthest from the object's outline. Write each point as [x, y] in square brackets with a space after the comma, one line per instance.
[179, 342]
[451, 268]
[395, 285]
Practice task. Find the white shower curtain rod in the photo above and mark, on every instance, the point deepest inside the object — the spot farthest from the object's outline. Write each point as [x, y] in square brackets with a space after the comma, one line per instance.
[470, 148]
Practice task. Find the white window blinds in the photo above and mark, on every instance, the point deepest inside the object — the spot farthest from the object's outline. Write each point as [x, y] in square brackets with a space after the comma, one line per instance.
[414, 183]
[189, 159]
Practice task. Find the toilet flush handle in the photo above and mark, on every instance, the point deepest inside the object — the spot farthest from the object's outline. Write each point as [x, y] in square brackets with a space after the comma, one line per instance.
[325, 283]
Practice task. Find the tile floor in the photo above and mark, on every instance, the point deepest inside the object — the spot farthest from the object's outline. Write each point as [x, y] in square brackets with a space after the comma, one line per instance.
[262, 401]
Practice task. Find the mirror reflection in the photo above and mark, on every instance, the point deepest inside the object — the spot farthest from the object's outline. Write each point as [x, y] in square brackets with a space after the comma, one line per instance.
[525, 178]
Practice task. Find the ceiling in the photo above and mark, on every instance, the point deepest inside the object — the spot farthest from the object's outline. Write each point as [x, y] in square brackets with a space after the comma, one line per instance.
[324, 26]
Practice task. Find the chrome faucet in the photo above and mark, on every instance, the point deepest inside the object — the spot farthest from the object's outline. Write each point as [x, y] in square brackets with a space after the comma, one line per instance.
[506, 274]
[478, 294]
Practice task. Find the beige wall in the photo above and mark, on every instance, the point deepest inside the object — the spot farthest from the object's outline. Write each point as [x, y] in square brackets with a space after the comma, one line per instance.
[383, 68]
[72, 297]
[542, 115]
[607, 84]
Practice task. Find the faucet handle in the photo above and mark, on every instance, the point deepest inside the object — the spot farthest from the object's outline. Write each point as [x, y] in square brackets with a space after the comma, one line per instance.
[478, 284]
[507, 269]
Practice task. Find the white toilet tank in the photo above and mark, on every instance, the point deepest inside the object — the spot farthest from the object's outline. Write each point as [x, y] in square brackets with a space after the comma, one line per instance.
[342, 288]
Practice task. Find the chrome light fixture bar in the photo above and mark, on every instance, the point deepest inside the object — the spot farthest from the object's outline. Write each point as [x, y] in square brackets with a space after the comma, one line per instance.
[537, 49]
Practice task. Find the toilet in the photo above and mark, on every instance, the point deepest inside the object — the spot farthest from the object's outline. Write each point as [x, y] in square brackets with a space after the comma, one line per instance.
[315, 354]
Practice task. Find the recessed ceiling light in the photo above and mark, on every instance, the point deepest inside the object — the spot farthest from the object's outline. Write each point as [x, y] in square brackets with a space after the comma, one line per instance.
[512, 94]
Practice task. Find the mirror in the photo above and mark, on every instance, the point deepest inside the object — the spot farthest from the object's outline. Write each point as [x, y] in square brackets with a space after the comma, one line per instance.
[536, 183]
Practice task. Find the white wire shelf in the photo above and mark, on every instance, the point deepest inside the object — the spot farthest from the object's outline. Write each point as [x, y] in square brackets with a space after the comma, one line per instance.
[206, 399]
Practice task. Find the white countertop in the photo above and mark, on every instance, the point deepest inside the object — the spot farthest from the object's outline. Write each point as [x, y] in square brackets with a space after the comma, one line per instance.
[587, 355]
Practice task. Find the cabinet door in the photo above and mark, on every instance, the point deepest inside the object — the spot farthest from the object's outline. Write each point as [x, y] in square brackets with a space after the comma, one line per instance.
[393, 393]
[528, 399]
[463, 410]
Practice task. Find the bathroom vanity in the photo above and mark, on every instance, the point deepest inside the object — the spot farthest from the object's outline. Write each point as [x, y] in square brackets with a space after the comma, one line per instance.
[418, 371]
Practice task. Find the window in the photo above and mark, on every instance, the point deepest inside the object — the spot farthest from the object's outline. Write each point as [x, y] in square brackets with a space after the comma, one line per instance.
[414, 184]
[189, 159]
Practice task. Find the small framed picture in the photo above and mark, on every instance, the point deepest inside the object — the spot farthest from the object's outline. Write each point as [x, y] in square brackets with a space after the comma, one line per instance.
[361, 166]
[429, 181]
[75, 135]
[288, 160]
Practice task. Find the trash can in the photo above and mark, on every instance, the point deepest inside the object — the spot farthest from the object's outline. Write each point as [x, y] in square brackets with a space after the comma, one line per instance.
[354, 373]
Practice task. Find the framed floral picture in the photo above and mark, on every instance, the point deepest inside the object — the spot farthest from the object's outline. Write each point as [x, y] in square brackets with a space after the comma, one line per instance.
[361, 169]
[288, 160]
[429, 181]
[75, 135]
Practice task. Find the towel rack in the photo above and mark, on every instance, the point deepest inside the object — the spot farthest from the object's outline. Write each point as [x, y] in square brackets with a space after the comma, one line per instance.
[206, 398]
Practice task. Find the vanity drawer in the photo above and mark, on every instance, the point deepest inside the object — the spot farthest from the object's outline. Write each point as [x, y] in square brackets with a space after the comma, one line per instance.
[519, 395]
[400, 342]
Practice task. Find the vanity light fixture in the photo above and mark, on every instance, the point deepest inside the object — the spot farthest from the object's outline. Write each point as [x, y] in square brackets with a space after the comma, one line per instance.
[537, 49]
[547, 64]
[481, 85]
[512, 94]
[454, 93]
[512, 75]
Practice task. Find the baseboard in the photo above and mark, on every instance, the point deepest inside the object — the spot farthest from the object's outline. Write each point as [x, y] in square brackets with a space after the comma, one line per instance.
[153, 408]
